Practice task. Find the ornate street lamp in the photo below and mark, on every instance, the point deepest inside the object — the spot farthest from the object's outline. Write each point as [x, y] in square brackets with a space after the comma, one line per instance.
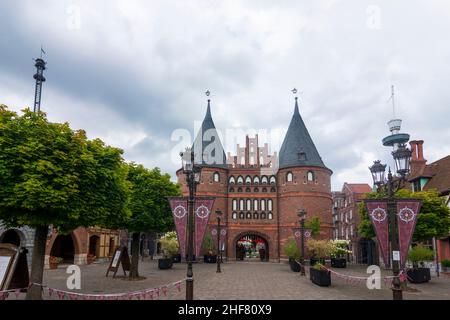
[302, 215]
[377, 170]
[219, 214]
[193, 176]
[402, 157]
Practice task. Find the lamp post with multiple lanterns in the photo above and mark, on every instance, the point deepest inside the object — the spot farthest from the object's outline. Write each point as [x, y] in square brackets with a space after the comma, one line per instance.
[219, 214]
[302, 216]
[193, 175]
[402, 157]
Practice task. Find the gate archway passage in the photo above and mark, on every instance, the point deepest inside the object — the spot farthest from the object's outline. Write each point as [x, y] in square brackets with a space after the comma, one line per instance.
[252, 247]
[63, 247]
[12, 237]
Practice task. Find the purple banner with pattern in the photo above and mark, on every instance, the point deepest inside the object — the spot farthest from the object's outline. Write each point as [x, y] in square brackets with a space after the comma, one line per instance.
[179, 207]
[378, 214]
[202, 211]
[298, 236]
[407, 211]
[223, 234]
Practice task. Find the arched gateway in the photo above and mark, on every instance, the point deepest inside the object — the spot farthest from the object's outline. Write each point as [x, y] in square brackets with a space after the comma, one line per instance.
[251, 246]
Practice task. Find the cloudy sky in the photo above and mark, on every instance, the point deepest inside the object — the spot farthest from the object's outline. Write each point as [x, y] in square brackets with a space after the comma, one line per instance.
[134, 73]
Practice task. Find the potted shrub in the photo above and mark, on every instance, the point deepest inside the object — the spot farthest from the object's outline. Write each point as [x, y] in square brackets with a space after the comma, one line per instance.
[418, 255]
[340, 250]
[319, 275]
[208, 245]
[293, 252]
[169, 247]
[445, 265]
[320, 250]
[54, 262]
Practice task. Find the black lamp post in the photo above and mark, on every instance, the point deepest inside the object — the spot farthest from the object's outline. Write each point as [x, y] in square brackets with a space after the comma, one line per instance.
[402, 157]
[302, 216]
[193, 175]
[218, 213]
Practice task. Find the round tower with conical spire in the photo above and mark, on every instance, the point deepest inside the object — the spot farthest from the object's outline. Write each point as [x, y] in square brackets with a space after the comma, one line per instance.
[210, 155]
[304, 182]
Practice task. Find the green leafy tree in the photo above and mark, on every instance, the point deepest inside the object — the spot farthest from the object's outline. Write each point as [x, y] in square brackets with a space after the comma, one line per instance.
[150, 209]
[314, 226]
[433, 220]
[51, 175]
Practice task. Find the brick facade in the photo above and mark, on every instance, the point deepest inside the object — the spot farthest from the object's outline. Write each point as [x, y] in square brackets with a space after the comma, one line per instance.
[261, 194]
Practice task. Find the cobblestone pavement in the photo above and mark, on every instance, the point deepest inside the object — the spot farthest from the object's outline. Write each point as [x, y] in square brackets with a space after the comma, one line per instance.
[241, 280]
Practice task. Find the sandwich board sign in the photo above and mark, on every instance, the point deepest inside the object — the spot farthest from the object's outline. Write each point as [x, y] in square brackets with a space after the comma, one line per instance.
[13, 267]
[120, 257]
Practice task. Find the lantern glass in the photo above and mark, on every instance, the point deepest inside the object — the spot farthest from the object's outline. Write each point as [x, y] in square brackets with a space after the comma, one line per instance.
[402, 157]
[377, 170]
[186, 160]
[302, 214]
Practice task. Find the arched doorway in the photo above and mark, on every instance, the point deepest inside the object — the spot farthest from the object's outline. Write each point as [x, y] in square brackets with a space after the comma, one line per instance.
[367, 251]
[94, 246]
[11, 237]
[63, 247]
[252, 247]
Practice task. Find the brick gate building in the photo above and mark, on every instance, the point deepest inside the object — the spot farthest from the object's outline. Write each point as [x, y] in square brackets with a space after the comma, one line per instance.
[260, 194]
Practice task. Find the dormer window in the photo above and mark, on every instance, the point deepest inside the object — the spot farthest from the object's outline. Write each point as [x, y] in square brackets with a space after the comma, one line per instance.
[302, 156]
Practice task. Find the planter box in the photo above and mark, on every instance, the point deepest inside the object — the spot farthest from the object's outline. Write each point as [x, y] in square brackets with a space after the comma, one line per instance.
[419, 275]
[176, 258]
[165, 264]
[313, 261]
[209, 259]
[339, 263]
[320, 277]
[295, 267]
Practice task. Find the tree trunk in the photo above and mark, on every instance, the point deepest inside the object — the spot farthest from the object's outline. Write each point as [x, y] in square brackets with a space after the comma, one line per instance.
[37, 266]
[134, 269]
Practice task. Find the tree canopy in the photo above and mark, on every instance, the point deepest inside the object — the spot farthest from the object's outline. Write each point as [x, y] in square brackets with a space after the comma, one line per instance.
[433, 219]
[150, 209]
[53, 175]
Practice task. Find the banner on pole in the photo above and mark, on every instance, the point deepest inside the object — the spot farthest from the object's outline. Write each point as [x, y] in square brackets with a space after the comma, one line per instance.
[202, 211]
[179, 206]
[378, 214]
[223, 234]
[407, 211]
[298, 236]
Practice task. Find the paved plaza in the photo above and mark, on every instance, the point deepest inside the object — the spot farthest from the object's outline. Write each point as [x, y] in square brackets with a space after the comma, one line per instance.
[241, 280]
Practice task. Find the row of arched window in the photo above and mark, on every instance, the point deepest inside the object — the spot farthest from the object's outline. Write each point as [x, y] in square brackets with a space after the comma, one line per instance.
[310, 176]
[252, 205]
[248, 190]
[254, 180]
[254, 215]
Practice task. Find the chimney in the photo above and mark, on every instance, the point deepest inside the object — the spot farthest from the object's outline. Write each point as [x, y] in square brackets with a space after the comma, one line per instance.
[418, 162]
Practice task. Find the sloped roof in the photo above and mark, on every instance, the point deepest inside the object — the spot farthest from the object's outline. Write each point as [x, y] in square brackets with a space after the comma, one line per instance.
[439, 172]
[359, 187]
[298, 141]
[208, 149]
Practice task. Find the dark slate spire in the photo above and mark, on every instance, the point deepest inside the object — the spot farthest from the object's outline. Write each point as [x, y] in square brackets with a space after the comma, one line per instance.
[208, 149]
[298, 149]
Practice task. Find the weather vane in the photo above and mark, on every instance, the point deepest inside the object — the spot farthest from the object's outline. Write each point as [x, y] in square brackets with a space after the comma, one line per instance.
[294, 91]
